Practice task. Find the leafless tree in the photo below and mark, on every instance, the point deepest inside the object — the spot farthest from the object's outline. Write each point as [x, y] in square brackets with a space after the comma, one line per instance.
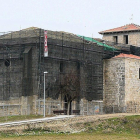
[70, 87]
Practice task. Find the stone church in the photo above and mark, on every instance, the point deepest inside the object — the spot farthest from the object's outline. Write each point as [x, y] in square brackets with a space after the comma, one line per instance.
[114, 81]
[122, 72]
[122, 83]
[23, 65]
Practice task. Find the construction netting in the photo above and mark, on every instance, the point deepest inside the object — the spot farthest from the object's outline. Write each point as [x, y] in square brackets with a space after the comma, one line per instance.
[106, 47]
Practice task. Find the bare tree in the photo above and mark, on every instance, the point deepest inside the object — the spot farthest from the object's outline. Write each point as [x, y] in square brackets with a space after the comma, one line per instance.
[70, 87]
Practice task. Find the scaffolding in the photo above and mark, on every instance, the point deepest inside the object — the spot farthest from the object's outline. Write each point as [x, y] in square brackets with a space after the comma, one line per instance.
[22, 64]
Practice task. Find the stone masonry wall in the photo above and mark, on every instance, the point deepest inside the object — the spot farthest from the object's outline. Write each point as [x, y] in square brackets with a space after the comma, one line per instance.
[10, 79]
[122, 85]
[114, 84]
[133, 38]
[132, 84]
[85, 59]
[23, 78]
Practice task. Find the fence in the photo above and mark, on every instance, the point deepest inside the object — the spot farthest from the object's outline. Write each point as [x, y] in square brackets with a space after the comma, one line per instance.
[84, 107]
[14, 110]
[50, 106]
[91, 107]
[8, 110]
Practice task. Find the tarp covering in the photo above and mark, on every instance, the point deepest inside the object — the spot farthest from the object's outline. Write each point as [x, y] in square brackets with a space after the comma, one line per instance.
[106, 47]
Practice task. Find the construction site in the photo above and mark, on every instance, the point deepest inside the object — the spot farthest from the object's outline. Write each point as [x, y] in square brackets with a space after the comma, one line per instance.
[70, 56]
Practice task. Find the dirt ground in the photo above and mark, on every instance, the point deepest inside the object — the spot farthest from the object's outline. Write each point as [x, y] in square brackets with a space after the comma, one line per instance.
[70, 125]
[73, 125]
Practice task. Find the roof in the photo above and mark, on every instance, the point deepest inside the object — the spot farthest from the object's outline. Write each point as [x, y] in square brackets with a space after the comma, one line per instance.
[127, 27]
[122, 55]
[106, 47]
[36, 32]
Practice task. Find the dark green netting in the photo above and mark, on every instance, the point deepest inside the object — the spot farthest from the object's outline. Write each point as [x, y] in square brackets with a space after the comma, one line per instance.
[106, 47]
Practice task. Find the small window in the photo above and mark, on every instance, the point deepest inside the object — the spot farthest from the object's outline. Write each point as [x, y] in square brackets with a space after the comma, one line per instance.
[125, 39]
[7, 62]
[61, 66]
[78, 65]
[115, 39]
[139, 73]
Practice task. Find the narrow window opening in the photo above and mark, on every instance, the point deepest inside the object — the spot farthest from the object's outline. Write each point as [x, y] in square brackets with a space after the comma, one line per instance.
[115, 38]
[126, 39]
[139, 73]
[61, 66]
[78, 65]
[7, 62]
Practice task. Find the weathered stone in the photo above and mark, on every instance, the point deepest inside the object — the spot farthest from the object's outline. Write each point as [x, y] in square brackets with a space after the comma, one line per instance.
[123, 86]
[23, 77]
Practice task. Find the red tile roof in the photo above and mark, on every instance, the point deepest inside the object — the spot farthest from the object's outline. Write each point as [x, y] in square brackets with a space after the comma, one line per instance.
[122, 55]
[128, 27]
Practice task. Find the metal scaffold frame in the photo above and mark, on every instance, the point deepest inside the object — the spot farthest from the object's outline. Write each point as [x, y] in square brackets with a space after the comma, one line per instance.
[23, 53]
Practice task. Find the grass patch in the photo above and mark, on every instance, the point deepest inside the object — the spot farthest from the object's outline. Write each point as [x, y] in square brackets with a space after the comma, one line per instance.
[78, 136]
[124, 125]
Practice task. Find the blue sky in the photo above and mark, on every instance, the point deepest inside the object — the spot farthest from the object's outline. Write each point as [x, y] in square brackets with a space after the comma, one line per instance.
[84, 17]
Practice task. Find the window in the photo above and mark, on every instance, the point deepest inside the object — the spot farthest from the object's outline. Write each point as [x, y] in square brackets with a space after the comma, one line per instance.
[78, 65]
[115, 39]
[139, 73]
[125, 39]
[61, 66]
[7, 62]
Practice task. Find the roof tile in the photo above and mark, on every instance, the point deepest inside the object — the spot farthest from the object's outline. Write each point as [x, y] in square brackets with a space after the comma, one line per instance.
[128, 27]
[122, 55]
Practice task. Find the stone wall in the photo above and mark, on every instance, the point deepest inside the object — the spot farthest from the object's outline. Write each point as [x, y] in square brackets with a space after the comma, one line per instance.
[133, 38]
[132, 84]
[83, 58]
[27, 105]
[121, 85]
[24, 78]
[75, 54]
[10, 78]
[24, 105]
[114, 84]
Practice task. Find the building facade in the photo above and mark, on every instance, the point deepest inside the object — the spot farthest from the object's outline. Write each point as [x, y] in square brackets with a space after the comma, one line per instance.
[128, 34]
[23, 65]
[121, 83]
[114, 81]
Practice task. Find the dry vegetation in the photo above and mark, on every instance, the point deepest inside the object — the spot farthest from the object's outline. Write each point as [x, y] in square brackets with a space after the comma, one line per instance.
[103, 127]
